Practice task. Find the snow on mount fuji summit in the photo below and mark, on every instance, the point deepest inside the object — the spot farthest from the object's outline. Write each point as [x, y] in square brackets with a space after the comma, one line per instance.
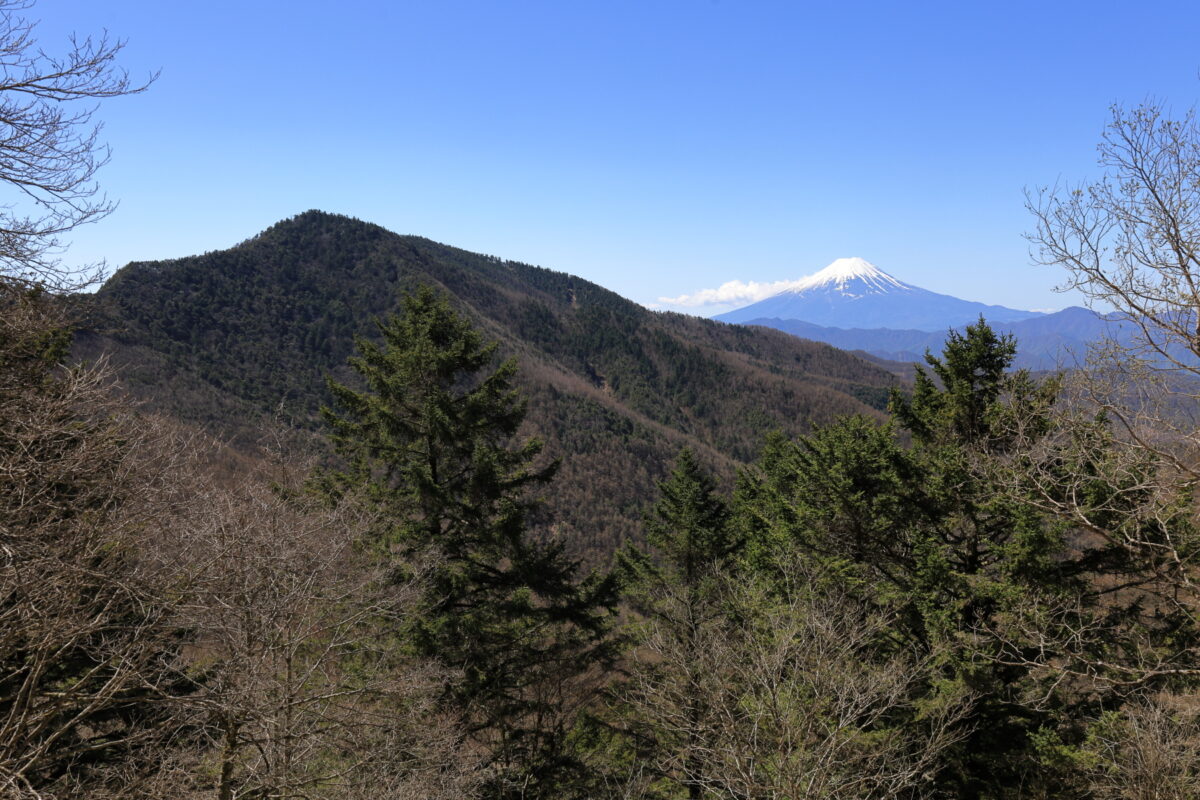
[854, 293]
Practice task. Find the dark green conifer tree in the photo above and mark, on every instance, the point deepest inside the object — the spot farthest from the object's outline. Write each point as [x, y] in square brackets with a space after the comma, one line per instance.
[909, 517]
[429, 442]
[958, 407]
[677, 588]
[688, 527]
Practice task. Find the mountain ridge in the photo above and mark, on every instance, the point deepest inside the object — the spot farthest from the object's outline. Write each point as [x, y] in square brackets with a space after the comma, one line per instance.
[615, 389]
[1057, 340]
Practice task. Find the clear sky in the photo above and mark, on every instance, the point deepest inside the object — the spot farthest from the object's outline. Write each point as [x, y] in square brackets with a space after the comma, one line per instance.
[657, 148]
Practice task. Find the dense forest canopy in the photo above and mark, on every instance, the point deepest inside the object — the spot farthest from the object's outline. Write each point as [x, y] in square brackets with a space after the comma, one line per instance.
[613, 389]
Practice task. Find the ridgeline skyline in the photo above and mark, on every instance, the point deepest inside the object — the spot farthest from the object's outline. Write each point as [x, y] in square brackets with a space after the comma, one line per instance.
[657, 150]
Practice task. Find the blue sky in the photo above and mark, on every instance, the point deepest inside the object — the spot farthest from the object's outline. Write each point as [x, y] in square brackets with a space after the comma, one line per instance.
[657, 148]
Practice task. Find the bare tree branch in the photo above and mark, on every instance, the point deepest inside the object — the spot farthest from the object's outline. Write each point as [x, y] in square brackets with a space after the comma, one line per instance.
[50, 148]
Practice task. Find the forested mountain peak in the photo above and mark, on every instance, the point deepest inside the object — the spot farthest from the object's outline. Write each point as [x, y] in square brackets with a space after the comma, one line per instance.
[615, 389]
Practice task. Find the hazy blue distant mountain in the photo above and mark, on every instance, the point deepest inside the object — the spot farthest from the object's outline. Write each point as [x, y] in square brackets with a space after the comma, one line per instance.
[853, 293]
[1047, 341]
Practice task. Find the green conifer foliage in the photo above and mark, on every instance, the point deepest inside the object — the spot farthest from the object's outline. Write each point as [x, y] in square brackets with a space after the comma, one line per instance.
[688, 526]
[678, 590]
[907, 514]
[971, 374]
[429, 442]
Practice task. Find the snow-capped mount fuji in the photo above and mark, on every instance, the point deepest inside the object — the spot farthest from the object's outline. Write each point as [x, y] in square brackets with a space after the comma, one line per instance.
[854, 293]
[850, 276]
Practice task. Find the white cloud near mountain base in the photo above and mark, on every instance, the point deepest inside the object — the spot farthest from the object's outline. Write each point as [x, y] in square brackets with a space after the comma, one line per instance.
[732, 292]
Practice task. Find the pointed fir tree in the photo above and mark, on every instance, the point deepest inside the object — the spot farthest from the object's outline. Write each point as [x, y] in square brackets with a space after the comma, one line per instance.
[677, 588]
[972, 373]
[689, 524]
[429, 442]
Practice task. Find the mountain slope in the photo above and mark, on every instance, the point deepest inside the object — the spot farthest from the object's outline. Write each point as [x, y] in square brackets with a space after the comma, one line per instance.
[615, 389]
[853, 293]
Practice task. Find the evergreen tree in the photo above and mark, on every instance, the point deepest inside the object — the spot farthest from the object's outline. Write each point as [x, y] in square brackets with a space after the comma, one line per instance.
[429, 442]
[908, 516]
[677, 589]
[744, 686]
[688, 527]
[971, 374]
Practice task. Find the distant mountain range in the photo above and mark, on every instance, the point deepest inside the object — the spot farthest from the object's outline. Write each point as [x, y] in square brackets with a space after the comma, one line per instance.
[854, 305]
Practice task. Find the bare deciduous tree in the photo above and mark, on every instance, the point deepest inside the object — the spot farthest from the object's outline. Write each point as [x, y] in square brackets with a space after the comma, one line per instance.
[1150, 750]
[1130, 243]
[85, 637]
[161, 633]
[794, 700]
[302, 688]
[50, 149]
[1122, 460]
